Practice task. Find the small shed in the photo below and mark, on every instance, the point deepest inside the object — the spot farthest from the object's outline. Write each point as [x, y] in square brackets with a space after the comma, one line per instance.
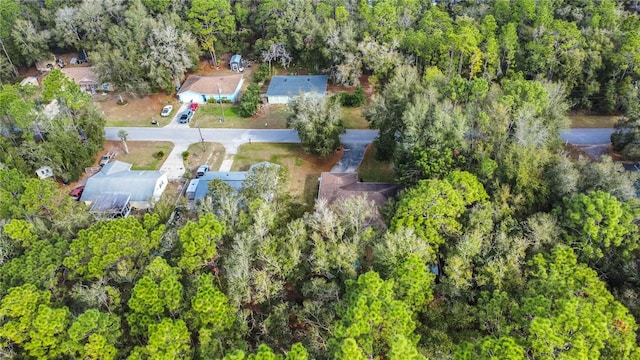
[235, 64]
[44, 172]
[283, 89]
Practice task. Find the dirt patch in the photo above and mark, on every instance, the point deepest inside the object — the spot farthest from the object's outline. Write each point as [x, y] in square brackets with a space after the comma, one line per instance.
[138, 110]
[212, 155]
[590, 120]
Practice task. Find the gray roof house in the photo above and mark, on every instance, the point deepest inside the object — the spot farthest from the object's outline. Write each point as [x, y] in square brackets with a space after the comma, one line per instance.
[282, 89]
[142, 186]
[199, 188]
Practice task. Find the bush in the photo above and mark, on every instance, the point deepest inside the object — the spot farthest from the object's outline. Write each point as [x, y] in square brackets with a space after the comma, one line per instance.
[250, 99]
[261, 74]
[357, 98]
[159, 155]
[185, 155]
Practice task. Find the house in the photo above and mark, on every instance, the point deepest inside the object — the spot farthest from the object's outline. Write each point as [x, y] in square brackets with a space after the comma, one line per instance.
[201, 88]
[335, 186]
[142, 186]
[283, 89]
[198, 188]
[235, 64]
[86, 78]
[111, 205]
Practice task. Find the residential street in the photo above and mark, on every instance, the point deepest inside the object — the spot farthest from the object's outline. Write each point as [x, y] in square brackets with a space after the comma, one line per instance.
[183, 136]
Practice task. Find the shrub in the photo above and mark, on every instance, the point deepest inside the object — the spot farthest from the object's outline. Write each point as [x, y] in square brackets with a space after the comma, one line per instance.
[159, 155]
[357, 98]
[261, 74]
[250, 99]
[185, 155]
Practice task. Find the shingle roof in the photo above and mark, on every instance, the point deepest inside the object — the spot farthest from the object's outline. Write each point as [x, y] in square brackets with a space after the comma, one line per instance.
[117, 177]
[208, 84]
[293, 85]
[82, 75]
[334, 186]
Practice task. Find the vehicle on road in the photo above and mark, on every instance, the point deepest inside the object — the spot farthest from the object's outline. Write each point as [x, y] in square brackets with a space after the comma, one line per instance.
[166, 110]
[202, 170]
[185, 117]
[193, 107]
[76, 193]
[104, 160]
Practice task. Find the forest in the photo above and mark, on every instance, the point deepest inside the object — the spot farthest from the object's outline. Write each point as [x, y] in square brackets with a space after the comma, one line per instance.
[499, 246]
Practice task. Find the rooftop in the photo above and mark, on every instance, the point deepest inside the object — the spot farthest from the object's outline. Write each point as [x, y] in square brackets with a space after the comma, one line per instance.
[82, 75]
[293, 85]
[110, 203]
[117, 177]
[334, 186]
[208, 84]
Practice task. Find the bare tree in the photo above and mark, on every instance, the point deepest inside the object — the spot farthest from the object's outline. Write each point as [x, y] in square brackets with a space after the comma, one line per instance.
[277, 52]
[123, 134]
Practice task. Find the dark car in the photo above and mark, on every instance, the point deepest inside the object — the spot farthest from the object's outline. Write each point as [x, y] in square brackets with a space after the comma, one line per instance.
[185, 117]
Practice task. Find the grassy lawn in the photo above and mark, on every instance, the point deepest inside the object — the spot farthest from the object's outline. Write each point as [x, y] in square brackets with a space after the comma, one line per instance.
[141, 153]
[304, 169]
[209, 115]
[138, 112]
[372, 170]
[213, 154]
[353, 118]
[592, 121]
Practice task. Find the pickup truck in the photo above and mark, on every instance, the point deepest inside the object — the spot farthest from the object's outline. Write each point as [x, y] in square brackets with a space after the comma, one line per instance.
[104, 160]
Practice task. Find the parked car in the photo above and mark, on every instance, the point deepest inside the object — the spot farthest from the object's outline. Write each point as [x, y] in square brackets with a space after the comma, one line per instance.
[166, 110]
[185, 117]
[104, 160]
[193, 106]
[76, 193]
[202, 170]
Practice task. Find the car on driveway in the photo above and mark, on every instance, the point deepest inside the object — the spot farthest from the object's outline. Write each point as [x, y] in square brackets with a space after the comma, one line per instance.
[193, 107]
[166, 110]
[185, 117]
[76, 193]
[104, 160]
[202, 170]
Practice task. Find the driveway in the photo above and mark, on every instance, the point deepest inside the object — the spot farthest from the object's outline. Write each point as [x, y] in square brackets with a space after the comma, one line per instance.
[599, 136]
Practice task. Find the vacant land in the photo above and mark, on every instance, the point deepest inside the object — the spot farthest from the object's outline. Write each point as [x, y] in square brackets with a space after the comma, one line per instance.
[372, 170]
[579, 120]
[138, 111]
[304, 169]
[212, 155]
[143, 155]
[268, 117]
[353, 118]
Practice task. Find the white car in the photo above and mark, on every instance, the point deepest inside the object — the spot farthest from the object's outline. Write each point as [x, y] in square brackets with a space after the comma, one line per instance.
[166, 110]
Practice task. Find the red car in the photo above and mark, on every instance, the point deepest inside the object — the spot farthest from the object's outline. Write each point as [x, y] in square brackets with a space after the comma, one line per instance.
[193, 106]
[76, 193]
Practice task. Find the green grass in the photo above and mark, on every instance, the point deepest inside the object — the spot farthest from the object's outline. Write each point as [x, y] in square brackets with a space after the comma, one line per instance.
[142, 154]
[304, 170]
[209, 116]
[592, 121]
[372, 170]
[353, 118]
[213, 155]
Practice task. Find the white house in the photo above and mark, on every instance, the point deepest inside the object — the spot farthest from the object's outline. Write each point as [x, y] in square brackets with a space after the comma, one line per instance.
[201, 88]
[142, 186]
[283, 89]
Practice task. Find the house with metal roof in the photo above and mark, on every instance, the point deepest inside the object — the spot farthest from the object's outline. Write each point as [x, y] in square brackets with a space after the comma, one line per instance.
[142, 186]
[198, 188]
[201, 88]
[283, 89]
[111, 205]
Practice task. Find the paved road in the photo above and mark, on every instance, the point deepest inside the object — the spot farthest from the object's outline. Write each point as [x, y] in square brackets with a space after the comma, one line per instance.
[587, 136]
[182, 136]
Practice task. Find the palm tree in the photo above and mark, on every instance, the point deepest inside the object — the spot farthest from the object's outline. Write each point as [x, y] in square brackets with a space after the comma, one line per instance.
[122, 134]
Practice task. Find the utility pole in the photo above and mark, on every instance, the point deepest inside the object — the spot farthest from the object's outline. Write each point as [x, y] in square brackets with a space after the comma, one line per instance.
[201, 138]
[220, 101]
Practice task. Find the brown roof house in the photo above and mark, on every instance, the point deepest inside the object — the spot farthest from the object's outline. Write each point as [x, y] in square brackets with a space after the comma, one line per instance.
[335, 186]
[86, 78]
[201, 88]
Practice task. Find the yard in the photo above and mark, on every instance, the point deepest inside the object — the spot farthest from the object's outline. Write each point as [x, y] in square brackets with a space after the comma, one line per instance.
[137, 112]
[372, 170]
[353, 118]
[580, 120]
[210, 116]
[304, 169]
[142, 154]
[212, 155]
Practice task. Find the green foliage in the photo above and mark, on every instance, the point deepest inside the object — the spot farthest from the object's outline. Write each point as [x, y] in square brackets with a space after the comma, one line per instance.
[197, 248]
[596, 222]
[318, 122]
[261, 74]
[168, 340]
[185, 155]
[249, 102]
[94, 335]
[355, 99]
[116, 249]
